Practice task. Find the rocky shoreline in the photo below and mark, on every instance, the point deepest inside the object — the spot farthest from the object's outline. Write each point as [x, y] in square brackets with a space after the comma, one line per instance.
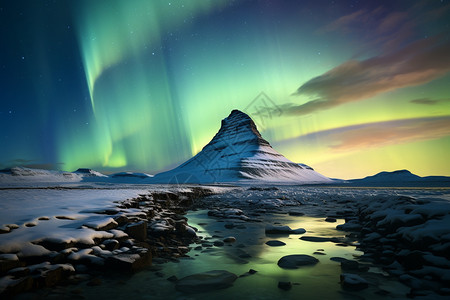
[151, 227]
[408, 238]
[405, 236]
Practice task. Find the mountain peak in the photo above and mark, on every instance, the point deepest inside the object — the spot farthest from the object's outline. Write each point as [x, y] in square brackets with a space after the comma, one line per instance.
[238, 152]
[238, 129]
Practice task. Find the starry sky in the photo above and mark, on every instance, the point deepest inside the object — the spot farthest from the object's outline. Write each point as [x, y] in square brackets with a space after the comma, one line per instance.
[350, 88]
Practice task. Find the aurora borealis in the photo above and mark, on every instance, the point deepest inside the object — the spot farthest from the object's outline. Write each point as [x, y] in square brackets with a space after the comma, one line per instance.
[355, 87]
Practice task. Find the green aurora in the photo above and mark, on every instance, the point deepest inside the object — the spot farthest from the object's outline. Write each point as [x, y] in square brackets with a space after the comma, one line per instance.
[348, 98]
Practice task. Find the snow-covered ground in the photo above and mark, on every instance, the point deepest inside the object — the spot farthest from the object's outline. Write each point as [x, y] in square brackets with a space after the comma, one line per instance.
[54, 214]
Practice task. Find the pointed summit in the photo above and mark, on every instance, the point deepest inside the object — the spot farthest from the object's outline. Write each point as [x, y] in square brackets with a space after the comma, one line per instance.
[238, 152]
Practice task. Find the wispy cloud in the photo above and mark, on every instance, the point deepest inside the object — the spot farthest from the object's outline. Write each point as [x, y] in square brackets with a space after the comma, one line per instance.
[416, 64]
[379, 134]
[405, 58]
[428, 101]
[377, 27]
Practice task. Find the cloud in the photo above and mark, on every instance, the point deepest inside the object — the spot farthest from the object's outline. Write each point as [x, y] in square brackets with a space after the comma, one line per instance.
[427, 101]
[416, 64]
[380, 134]
[379, 27]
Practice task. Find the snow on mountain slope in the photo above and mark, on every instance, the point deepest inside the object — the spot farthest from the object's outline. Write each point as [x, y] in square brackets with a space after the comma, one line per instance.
[238, 153]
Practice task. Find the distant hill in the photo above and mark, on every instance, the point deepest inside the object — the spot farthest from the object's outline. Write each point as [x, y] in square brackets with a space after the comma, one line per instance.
[21, 176]
[401, 178]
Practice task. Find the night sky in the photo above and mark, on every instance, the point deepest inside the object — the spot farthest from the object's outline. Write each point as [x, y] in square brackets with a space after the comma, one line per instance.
[351, 88]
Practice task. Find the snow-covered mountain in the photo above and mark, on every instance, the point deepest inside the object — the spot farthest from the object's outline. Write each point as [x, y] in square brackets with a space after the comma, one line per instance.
[239, 153]
[21, 176]
[89, 173]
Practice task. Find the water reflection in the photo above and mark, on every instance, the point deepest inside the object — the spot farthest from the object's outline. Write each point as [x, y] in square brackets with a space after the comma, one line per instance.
[320, 281]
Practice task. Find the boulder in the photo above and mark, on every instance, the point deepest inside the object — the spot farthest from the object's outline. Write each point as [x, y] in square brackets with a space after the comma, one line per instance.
[315, 239]
[230, 239]
[275, 243]
[296, 260]
[9, 286]
[129, 262]
[353, 282]
[111, 244]
[137, 230]
[273, 229]
[8, 262]
[207, 281]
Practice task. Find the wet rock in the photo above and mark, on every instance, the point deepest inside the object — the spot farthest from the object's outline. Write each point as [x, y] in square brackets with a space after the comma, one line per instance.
[8, 262]
[10, 286]
[230, 239]
[130, 262]
[349, 226]
[353, 282]
[137, 230]
[172, 278]
[48, 278]
[274, 229]
[338, 259]
[229, 226]
[315, 239]
[295, 213]
[207, 281]
[319, 253]
[4, 229]
[121, 220]
[275, 243]
[330, 219]
[285, 285]
[218, 243]
[111, 244]
[19, 272]
[349, 265]
[296, 260]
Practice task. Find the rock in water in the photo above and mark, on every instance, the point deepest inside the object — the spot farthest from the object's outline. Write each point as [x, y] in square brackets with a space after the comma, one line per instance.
[353, 282]
[296, 260]
[207, 281]
[275, 243]
[238, 152]
[285, 285]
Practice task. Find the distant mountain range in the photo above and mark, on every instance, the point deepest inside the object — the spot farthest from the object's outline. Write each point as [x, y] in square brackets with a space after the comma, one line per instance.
[236, 154]
[29, 177]
[400, 178]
